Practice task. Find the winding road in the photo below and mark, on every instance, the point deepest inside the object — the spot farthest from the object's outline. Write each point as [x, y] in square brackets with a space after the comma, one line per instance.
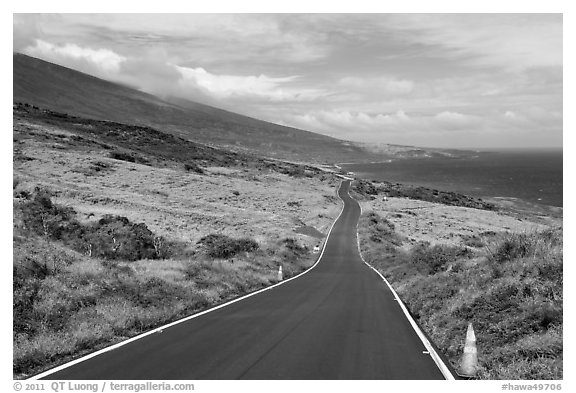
[339, 320]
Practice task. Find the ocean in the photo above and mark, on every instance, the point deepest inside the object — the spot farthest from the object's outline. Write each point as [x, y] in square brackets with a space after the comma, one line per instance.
[533, 176]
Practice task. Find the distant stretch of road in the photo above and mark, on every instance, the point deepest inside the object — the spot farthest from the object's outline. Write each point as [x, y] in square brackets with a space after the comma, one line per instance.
[337, 321]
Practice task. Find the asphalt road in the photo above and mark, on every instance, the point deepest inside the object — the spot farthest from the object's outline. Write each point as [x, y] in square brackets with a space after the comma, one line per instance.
[338, 321]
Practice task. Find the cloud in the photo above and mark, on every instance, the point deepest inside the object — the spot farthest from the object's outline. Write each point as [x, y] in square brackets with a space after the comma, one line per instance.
[455, 120]
[260, 87]
[354, 123]
[150, 73]
[510, 41]
[101, 61]
[378, 85]
[498, 129]
[437, 78]
[25, 31]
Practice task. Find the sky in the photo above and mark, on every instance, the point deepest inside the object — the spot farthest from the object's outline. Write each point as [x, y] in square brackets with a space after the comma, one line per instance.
[435, 80]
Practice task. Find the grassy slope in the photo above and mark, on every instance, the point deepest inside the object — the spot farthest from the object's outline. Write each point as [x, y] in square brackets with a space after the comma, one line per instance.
[68, 303]
[453, 265]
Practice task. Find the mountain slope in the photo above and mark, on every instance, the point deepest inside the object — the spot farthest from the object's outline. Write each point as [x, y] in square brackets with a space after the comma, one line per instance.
[65, 90]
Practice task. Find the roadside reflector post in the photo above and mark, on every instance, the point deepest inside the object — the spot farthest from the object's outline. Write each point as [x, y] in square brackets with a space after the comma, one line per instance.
[280, 273]
[469, 363]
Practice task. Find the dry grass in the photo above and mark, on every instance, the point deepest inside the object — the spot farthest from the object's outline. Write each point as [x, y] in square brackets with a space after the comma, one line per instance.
[452, 266]
[440, 224]
[67, 303]
[177, 204]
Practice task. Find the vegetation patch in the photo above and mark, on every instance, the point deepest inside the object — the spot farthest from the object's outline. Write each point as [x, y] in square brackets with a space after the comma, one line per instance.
[84, 280]
[222, 246]
[382, 230]
[368, 190]
[68, 302]
[434, 259]
[363, 190]
[193, 167]
[112, 237]
[510, 289]
[149, 146]
[128, 157]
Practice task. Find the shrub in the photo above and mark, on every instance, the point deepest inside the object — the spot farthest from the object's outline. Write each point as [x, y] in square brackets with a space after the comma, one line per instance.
[292, 250]
[436, 258]
[382, 230]
[294, 171]
[516, 245]
[363, 189]
[119, 155]
[129, 157]
[512, 296]
[432, 195]
[42, 217]
[115, 237]
[222, 246]
[193, 167]
[99, 166]
[112, 237]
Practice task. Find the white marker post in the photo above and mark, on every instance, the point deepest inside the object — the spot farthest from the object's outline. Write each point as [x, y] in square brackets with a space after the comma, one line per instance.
[280, 273]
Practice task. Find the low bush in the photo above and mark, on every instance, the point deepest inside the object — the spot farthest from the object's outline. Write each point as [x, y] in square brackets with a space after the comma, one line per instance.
[473, 241]
[122, 156]
[512, 295]
[112, 237]
[382, 230]
[294, 170]
[363, 189]
[193, 167]
[128, 157]
[291, 250]
[222, 246]
[516, 245]
[433, 259]
[431, 195]
[115, 237]
[42, 217]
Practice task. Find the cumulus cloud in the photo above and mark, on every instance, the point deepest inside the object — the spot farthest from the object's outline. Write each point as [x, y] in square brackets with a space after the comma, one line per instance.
[399, 121]
[455, 120]
[361, 126]
[433, 129]
[235, 86]
[342, 121]
[101, 60]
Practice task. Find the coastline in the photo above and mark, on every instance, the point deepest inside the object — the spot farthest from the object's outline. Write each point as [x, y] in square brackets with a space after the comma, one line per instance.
[505, 182]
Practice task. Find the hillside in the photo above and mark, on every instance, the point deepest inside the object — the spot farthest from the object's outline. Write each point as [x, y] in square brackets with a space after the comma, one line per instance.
[61, 89]
[121, 228]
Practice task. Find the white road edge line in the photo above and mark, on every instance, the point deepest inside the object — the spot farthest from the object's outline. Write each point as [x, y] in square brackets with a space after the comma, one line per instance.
[159, 329]
[437, 359]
